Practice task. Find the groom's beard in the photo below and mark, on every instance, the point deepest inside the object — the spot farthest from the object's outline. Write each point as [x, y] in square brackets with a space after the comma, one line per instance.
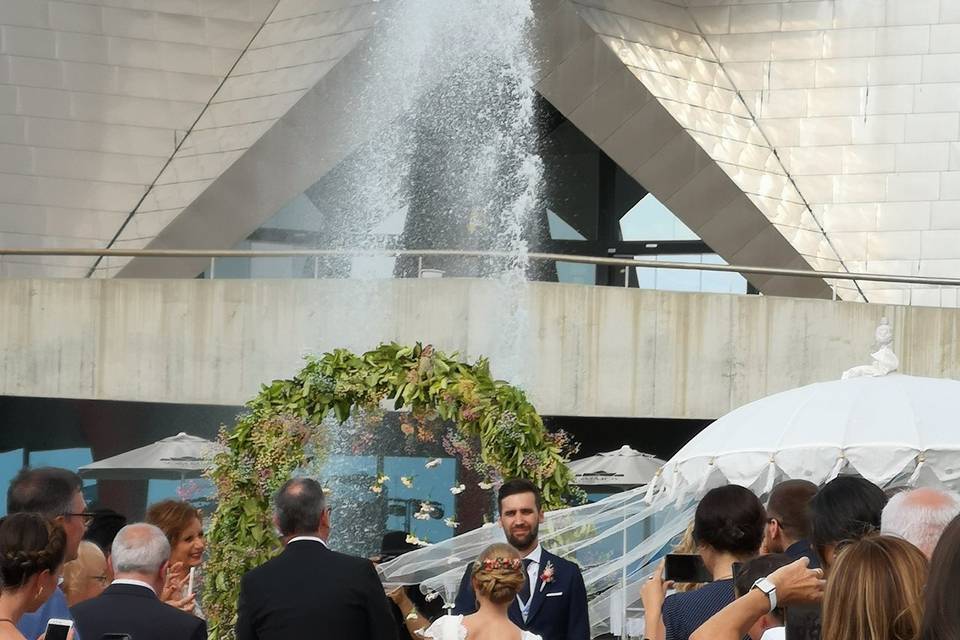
[523, 540]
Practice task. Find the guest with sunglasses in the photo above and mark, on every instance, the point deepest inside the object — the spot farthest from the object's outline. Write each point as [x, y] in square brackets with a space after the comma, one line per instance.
[56, 495]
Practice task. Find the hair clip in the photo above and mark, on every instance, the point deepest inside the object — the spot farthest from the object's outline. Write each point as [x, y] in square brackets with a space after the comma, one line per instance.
[492, 564]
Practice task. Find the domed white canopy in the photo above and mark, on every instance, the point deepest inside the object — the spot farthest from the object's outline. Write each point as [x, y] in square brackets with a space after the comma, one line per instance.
[884, 428]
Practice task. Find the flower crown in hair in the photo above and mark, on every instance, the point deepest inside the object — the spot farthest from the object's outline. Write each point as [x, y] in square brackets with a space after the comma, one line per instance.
[492, 564]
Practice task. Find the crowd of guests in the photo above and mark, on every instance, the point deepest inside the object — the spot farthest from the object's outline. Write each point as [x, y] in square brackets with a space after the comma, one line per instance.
[61, 561]
[846, 561]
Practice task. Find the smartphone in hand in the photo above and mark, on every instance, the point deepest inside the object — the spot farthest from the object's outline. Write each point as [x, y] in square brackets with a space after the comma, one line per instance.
[685, 567]
[58, 629]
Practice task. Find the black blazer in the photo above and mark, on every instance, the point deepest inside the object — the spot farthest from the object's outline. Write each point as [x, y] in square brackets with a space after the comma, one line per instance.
[135, 610]
[558, 610]
[311, 592]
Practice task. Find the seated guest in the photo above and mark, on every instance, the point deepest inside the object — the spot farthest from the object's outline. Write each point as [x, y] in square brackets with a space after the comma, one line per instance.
[941, 615]
[765, 584]
[56, 495]
[101, 531]
[85, 577]
[130, 604]
[788, 520]
[875, 591]
[727, 528]
[844, 509]
[920, 516]
[309, 590]
[31, 554]
[182, 523]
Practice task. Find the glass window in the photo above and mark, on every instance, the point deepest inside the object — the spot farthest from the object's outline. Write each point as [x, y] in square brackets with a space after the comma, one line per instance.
[719, 281]
[199, 492]
[677, 280]
[429, 485]
[71, 459]
[560, 230]
[10, 463]
[576, 273]
[649, 219]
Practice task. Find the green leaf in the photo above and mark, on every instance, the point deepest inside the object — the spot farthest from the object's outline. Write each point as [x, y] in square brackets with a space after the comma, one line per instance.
[251, 508]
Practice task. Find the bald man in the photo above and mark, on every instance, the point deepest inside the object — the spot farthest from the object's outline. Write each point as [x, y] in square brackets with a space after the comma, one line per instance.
[920, 516]
[86, 577]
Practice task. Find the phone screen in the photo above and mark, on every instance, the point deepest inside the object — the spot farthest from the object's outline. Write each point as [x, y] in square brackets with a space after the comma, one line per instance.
[58, 629]
[684, 567]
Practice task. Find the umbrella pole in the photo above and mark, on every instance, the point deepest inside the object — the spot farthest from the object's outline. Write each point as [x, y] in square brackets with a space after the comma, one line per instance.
[623, 576]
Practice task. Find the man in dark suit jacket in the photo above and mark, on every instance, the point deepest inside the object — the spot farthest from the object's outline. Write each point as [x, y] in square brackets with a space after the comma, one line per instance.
[789, 521]
[309, 591]
[553, 604]
[130, 604]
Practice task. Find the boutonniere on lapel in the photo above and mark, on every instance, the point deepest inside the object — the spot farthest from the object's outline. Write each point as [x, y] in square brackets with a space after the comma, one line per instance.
[547, 576]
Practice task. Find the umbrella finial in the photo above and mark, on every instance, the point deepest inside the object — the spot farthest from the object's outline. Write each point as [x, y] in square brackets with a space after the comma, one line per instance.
[884, 359]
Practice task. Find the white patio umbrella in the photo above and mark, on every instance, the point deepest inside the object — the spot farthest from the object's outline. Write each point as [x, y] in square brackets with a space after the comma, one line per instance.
[890, 429]
[174, 458]
[625, 467]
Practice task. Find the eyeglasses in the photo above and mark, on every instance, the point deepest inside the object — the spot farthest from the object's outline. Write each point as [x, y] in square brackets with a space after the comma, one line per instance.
[86, 516]
[100, 579]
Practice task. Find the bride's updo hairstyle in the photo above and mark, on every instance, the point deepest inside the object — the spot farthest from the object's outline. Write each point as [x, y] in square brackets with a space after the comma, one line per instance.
[29, 544]
[498, 573]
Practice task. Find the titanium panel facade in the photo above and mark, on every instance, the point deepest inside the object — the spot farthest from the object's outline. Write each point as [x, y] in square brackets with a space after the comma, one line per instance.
[817, 133]
[111, 109]
[838, 119]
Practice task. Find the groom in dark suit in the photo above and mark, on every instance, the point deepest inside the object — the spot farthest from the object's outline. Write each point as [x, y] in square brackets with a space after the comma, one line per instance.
[309, 591]
[553, 602]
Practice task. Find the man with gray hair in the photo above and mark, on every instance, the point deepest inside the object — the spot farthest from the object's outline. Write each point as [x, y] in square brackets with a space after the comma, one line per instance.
[130, 605]
[920, 516]
[310, 591]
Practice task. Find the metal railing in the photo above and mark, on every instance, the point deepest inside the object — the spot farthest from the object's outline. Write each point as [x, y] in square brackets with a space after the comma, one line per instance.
[214, 254]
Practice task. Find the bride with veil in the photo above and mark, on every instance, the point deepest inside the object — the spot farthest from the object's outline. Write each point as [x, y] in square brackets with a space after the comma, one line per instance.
[592, 535]
[498, 576]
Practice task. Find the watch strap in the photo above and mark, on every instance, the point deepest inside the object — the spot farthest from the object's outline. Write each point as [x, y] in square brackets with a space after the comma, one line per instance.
[768, 589]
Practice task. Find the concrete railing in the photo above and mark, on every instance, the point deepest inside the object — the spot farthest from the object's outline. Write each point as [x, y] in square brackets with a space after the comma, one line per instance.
[214, 254]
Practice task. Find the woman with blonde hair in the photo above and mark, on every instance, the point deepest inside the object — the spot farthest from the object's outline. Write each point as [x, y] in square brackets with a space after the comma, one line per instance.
[687, 546]
[875, 591]
[498, 576]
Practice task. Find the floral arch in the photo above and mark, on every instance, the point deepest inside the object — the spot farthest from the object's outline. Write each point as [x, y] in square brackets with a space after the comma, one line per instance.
[283, 430]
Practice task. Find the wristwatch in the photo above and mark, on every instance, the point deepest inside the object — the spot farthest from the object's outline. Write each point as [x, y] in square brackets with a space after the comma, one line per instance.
[769, 589]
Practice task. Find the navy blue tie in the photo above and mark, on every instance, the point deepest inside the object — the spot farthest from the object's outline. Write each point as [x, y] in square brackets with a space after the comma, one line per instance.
[525, 592]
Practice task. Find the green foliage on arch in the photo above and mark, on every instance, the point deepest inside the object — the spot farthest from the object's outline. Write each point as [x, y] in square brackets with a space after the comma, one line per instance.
[283, 430]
